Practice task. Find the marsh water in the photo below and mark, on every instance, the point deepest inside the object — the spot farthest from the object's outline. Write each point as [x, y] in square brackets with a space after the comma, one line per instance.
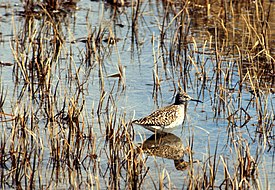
[75, 74]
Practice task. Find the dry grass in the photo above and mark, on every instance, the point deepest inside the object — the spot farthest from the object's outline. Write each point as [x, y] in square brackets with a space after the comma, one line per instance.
[53, 136]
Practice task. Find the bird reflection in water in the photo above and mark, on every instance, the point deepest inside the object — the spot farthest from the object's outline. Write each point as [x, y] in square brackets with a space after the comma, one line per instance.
[167, 146]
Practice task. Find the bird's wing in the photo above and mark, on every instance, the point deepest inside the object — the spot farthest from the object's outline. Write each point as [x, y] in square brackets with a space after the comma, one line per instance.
[161, 117]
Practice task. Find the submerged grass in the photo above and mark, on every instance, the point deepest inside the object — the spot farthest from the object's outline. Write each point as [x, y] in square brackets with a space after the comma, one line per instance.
[54, 138]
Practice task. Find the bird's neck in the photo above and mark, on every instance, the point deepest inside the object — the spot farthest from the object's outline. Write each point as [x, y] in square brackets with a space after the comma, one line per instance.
[178, 102]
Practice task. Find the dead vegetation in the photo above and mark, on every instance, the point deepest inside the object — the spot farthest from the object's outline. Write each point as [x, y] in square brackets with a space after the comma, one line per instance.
[64, 125]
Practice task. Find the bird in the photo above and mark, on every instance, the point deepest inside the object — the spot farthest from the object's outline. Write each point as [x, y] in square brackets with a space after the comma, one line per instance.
[166, 119]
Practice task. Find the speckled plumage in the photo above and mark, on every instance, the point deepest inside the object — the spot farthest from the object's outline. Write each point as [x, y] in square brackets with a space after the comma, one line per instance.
[161, 117]
[165, 119]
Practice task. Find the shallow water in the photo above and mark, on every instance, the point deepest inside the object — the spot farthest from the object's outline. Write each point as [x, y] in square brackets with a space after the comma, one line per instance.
[206, 128]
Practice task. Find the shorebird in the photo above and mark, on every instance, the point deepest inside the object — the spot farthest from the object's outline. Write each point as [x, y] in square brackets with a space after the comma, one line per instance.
[164, 120]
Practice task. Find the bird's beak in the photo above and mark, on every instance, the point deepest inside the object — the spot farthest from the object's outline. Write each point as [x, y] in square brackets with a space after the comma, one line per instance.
[195, 100]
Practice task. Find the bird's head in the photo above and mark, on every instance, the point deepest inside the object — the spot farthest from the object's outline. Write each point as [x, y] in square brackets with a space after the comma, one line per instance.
[183, 97]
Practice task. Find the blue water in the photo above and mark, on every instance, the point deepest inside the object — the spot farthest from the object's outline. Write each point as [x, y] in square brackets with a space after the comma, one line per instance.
[134, 93]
